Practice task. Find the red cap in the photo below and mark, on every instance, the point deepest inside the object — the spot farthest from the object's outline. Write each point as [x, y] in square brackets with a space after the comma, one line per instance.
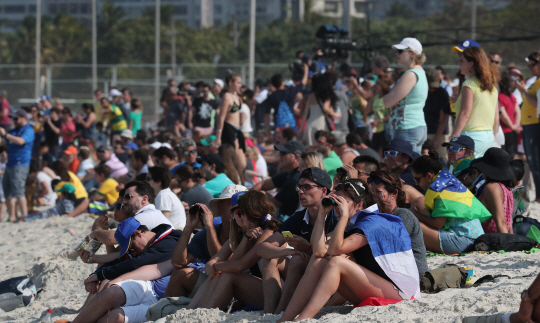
[49, 310]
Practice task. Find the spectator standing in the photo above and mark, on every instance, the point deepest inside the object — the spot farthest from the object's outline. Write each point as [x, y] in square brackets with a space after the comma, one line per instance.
[20, 141]
[115, 116]
[135, 115]
[88, 122]
[3, 161]
[436, 112]
[127, 100]
[5, 112]
[380, 112]
[52, 128]
[175, 110]
[68, 130]
[511, 130]
[202, 110]
[529, 119]
[407, 98]
[476, 106]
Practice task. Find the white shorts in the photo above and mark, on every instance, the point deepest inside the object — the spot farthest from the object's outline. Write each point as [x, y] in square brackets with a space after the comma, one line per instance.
[139, 296]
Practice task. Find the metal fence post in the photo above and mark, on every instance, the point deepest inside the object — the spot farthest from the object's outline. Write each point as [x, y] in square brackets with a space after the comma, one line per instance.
[114, 79]
[180, 71]
[49, 81]
[243, 72]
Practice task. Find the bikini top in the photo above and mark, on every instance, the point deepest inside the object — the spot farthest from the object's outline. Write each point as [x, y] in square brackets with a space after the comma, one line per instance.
[235, 107]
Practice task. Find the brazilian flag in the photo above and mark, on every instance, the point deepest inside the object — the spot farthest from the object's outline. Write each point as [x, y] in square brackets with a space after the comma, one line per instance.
[447, 197]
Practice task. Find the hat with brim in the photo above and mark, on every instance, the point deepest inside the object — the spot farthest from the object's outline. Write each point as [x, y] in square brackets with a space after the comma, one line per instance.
[124, 232]
[495, 165]
[226, 193]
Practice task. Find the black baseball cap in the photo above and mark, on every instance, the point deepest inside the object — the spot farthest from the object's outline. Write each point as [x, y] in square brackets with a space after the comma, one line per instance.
[318, 176]
[401, 146]
[460, 141]
[292, 147]
[214, 159]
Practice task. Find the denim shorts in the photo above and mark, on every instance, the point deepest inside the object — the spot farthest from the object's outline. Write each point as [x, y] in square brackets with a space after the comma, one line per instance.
[14, 180]
[452, 243]
[416, 136]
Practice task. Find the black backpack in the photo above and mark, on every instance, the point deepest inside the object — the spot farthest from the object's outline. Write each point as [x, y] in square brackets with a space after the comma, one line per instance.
[16, 292]
[503, 242]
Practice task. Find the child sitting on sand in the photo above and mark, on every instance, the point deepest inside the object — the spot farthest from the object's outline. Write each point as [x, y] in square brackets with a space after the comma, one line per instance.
[65, 205]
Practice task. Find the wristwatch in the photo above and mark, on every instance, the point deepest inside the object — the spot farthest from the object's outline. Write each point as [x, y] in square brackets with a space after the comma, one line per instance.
[526, 298]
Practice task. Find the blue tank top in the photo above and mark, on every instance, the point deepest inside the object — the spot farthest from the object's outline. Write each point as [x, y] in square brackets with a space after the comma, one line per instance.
[409, 113]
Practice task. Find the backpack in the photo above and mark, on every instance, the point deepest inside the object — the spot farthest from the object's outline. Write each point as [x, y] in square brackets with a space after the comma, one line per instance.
[447, 276]
[526, 226]
[16, 292]
[503, 242]
[285, 117]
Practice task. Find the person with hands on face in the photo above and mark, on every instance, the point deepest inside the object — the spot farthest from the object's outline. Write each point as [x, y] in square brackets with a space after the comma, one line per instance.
[251, 225]
[389, 273]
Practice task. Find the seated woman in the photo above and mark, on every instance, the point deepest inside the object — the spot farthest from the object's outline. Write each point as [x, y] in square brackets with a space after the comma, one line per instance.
[251, 225]
[449, 214]
[496, 195]
[390, 273]
[67, 176]
[387, 189]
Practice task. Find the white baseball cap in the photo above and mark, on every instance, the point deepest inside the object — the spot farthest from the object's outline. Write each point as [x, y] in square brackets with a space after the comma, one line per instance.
[227, 193]
[115, 92]
[155, 144]
[127, 133]
[409, 43]
[219, 82]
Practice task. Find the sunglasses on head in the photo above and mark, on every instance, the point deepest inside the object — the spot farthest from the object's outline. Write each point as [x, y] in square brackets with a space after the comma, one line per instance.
[391, 153]
[454, 149]
[377, 180]
[187, 152]
[343, 186]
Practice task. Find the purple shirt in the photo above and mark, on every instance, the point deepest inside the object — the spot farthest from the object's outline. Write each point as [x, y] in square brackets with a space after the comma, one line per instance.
[117, 167]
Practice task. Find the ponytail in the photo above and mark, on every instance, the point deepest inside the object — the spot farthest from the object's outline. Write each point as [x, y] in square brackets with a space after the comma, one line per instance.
[427, 164]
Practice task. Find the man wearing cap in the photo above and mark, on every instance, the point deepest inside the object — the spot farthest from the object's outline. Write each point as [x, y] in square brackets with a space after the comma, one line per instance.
[282, 94]
[126, 136]
[217, 87]
[436, 111]
[398, 157]
[213, 169]
[325, 145]
[106, 156]
[289, 159]
[458, 147]
[465, 44]
[5, 111]
[127, 300]
[19, 141]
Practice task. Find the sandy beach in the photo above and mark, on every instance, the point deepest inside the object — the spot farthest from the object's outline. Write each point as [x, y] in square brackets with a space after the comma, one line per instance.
[44, 250]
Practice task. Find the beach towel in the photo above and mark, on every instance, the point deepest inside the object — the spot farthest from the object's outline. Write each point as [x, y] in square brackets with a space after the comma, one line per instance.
[447, 197]
[391, 247]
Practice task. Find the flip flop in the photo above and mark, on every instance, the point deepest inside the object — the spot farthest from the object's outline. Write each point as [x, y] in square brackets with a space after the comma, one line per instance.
[494, 318]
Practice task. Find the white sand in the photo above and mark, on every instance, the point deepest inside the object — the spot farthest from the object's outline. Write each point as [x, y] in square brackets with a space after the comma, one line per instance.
[44, 250]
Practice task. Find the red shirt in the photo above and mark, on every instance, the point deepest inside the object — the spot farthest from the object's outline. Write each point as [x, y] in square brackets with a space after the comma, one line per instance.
[509, 104]
[68, 127]
[5, 106]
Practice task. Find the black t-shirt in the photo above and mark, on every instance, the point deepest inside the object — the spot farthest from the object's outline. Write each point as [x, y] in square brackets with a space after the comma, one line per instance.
[287, 95]
[198, 246]
[52, 138]
[202, 112]
[296, 224]
[364, 257]
[436, 101]
[287, 195]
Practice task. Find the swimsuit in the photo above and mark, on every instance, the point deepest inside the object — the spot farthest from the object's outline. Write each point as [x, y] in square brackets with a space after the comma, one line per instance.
[235, 107]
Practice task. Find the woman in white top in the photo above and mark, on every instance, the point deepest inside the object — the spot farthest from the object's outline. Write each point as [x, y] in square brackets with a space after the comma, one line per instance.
[166, 201]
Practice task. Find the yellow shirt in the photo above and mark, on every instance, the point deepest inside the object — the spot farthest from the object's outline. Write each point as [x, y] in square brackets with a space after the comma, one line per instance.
[116, 119]
[80, 191]
[484, 106]
[528, 110]
[108, 190]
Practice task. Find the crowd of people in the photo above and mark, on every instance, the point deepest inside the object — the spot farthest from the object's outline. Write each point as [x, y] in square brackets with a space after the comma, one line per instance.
[288, 197]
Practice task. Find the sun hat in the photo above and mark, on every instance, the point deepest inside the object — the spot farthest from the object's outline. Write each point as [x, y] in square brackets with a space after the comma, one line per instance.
[127, 133]
[124, 232]
[226, 193]
[467, 43]
[495, 164]
[409, 43]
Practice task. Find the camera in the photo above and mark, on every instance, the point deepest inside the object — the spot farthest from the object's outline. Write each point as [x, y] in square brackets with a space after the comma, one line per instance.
[195, 209]
[342, 172]
[328, 201]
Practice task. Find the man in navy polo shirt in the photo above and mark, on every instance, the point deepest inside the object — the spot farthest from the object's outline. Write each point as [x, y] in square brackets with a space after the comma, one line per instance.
[20, 141]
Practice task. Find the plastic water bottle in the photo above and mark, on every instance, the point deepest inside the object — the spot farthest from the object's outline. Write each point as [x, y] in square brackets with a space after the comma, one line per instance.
[48, 317]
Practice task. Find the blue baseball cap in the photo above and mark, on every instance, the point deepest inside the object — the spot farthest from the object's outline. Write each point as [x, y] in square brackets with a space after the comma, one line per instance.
[234, 200]
[401, 146]
[461, 141]
[467, 43]
[124, 232]
[131, 145]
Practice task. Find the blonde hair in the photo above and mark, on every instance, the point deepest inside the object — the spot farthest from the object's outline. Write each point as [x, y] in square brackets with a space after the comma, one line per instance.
[313, 159]
[419, 59]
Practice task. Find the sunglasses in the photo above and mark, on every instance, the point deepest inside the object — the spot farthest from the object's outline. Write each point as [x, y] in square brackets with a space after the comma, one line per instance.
[391, 153]
[417, 179]
[399, 51]
[343, 186]
[532, 65]
[128, 197]
[304, 187]
[187, 152]
[454, 149]
[377, 180]
[15, 118]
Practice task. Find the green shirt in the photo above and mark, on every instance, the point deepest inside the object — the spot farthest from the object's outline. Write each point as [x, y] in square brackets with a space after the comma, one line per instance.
[331, 163]
[217, 184]
[136, 118]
